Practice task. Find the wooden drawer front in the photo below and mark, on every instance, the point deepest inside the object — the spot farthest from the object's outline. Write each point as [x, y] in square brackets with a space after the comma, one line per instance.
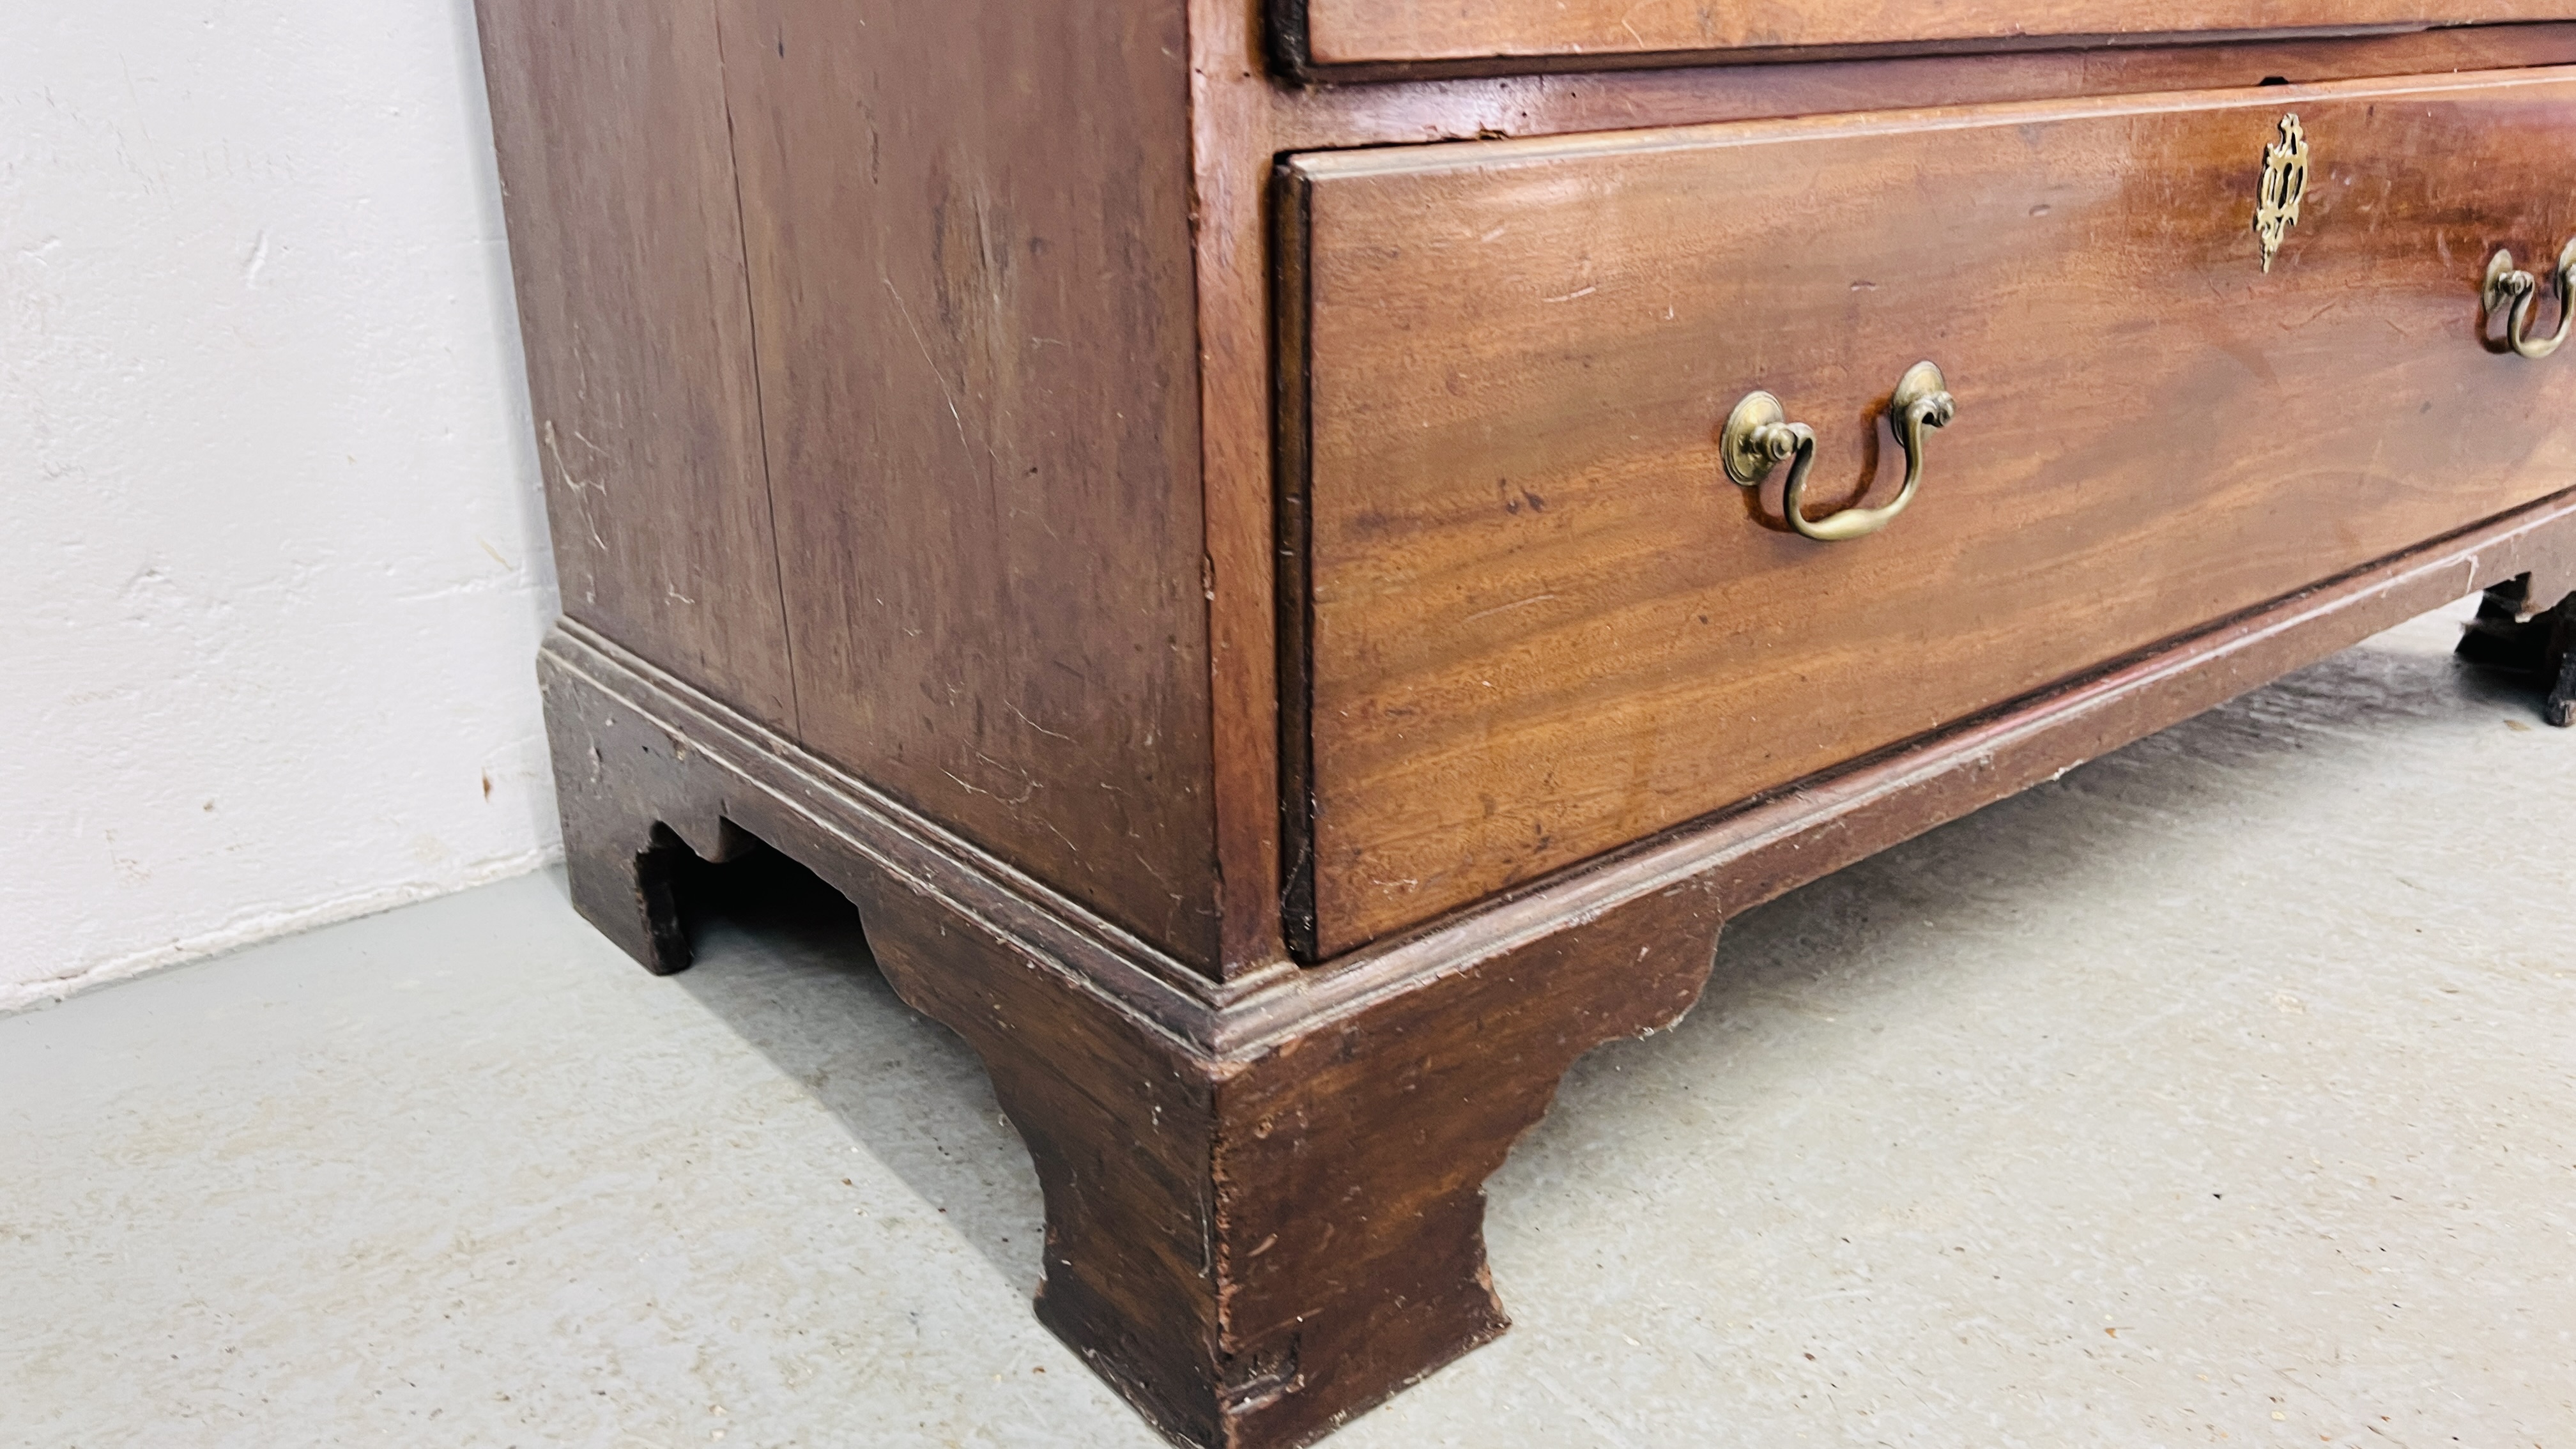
[1452, 35]
[1541, 623]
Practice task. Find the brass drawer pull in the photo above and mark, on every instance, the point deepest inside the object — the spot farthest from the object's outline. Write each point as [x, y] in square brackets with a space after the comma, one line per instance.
[1759, 436]
[2507, 284]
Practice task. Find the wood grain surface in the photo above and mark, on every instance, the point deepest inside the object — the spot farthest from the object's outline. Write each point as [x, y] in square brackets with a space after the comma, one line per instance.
[627, 250]
[1544, 625]
[969, 229]
[1322, 34]
[1242, 121]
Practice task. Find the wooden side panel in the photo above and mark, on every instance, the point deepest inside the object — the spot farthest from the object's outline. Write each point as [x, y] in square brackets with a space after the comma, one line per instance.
[627, 247]
[1328, 33]
[1544, 624]
[969, 227]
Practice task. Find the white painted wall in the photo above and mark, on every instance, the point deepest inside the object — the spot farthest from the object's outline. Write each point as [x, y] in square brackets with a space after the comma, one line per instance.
[272, 560]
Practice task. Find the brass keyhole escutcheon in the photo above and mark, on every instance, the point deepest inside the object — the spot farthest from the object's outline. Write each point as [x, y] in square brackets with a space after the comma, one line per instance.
[2285, 185]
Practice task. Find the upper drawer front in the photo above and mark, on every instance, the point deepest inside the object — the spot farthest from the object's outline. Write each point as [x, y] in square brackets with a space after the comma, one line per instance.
[1542, 623]
[1454, 34]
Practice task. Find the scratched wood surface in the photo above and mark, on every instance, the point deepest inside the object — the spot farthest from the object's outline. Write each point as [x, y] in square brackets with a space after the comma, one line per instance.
[969, 229]
[1543, 624]
[1329, 33]
[627, 249]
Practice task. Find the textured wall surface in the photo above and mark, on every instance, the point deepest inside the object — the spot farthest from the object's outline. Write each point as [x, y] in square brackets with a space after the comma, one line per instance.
[272, 561]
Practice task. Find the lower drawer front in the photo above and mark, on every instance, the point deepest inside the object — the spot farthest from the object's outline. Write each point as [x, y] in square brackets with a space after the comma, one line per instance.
[1540, 622]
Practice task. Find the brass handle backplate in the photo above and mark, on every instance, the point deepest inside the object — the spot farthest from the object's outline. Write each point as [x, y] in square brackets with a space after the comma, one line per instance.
[1759, 437]
[2509, 286]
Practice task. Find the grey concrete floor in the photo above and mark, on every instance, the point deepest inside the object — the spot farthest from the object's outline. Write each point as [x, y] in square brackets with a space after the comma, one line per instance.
[2223, 1091]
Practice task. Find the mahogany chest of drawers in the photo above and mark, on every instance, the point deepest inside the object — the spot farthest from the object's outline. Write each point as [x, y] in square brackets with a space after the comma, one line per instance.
[1298, 561]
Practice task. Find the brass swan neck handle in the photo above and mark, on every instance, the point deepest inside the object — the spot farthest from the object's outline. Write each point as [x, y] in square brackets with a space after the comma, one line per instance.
[1759, 436]
[2508, 285]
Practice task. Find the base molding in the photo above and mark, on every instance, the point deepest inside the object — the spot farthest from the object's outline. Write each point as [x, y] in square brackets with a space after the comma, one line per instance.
[1265, 1196]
